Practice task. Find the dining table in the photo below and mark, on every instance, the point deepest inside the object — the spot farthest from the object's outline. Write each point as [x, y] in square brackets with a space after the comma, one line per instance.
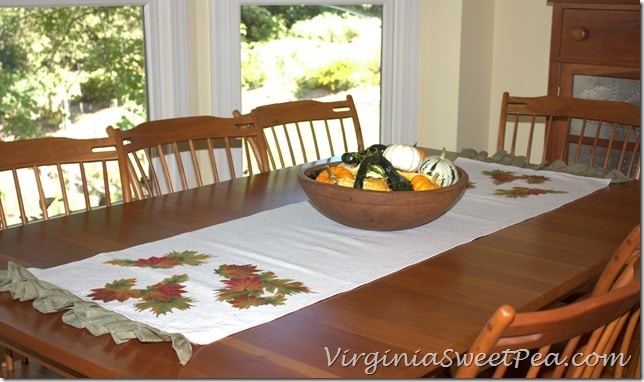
[435, 306]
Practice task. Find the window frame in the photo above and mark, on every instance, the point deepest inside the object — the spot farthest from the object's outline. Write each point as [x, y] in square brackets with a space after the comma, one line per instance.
[400, 62]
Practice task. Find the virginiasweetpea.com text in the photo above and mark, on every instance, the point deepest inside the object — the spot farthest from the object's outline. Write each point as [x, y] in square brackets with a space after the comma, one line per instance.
[371, 361]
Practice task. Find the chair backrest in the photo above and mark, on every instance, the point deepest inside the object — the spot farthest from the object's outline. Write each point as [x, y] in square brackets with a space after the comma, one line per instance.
[597, 133]
[508, 332]
[303, 131]
[46, 177]
[602, 325]
[175, 154]
[621, 263]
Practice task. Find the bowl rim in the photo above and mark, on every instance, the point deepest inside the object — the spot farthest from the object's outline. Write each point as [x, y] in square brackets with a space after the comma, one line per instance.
[302, 175]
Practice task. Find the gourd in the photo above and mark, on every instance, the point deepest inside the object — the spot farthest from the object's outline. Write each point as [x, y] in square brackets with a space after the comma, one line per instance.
[396, 181]
[440, 168]
[403, 157]
[422, 182]
[359, 156]
[333, 174]
[376, 172]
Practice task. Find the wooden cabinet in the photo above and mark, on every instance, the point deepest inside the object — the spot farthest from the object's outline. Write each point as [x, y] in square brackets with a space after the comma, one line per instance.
[595, 38]
[594, 53]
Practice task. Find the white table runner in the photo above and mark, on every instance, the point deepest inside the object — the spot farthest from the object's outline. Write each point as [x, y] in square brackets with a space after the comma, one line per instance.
[216, 281]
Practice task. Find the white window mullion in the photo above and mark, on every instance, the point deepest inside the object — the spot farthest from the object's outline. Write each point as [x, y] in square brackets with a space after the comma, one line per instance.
[225, 43]
[167, 59]
[401, 95]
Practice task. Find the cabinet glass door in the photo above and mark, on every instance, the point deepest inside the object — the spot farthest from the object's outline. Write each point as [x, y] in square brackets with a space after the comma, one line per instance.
[612, 89]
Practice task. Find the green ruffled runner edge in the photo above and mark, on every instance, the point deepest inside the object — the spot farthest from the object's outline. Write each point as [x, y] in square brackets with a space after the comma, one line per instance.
[502, 157]
[48, 298]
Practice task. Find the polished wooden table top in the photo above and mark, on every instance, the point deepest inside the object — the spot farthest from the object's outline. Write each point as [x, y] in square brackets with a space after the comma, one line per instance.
[436, 306]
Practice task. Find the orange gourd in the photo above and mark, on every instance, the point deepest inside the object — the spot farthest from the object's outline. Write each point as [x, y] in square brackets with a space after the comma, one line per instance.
[332, 174]
[422, 183]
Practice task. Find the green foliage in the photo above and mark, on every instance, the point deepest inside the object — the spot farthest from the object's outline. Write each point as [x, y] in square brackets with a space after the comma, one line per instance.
[337, 76]
[326, 27]
[319, 51]
[50, 56]
[265, 22]
[253, 76]
[259, 24]
[98, 89]
[126, 123]
[17, 107]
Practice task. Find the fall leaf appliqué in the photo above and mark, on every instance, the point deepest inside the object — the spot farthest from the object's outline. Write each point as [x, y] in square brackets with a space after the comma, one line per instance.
[119, 290]
[501, 177]
[246, 286]
[160, 298]
[170, 260]
[523, 192]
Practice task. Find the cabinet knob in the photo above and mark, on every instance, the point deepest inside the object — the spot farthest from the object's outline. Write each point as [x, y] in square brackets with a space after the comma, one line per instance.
[580, 34]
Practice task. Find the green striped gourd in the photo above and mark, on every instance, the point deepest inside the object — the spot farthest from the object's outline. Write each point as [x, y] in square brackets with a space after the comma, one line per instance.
[441, 169]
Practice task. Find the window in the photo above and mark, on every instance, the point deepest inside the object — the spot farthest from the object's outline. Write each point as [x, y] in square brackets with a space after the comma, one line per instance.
[164, 77]
[319, 52]
[71, 71]
[165, 50]
[399, 73]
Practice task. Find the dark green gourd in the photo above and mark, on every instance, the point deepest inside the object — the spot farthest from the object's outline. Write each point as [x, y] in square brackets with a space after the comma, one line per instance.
[396, 181]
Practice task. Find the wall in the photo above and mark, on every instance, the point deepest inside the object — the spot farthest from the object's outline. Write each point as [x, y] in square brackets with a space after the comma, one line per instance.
[477, 45]
[473, 51]
[521, 53]
[439, 75]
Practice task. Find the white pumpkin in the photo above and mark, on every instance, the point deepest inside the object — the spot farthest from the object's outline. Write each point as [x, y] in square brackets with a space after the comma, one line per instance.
[403, 157]
[440, 168]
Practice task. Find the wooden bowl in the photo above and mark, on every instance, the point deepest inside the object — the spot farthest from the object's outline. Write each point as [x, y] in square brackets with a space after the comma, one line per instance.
[380, 210]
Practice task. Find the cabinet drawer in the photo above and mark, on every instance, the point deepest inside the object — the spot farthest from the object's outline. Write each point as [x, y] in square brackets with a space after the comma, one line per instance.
[600, 35]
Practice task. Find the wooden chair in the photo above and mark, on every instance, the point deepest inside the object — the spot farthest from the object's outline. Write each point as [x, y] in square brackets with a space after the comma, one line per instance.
[621, 262]
[566, 128]
[604, 323]
[303, 131]
[47, 177]
[180, 153]
[605, 317]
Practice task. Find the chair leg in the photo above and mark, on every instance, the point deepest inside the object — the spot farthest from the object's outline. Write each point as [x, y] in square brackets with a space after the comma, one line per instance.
[9, 360]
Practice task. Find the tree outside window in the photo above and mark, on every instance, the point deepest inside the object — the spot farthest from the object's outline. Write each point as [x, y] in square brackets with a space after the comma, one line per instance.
[59, 63]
